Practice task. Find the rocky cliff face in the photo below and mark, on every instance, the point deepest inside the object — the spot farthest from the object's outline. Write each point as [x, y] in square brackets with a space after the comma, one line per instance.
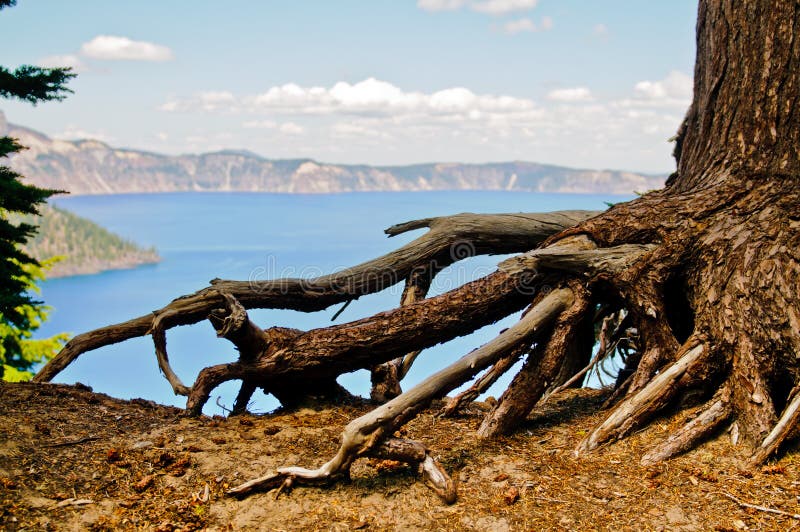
[93, 167]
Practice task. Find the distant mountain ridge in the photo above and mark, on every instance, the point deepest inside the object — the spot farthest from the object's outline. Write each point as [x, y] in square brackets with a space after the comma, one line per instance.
[93, 167]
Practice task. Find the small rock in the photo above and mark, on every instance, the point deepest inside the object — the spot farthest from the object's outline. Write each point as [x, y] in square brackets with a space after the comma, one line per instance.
[501, 477]
[511, 495]
[272, 430]
[144, 444]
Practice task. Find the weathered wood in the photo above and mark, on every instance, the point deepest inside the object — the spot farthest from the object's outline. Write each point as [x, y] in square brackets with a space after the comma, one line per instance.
[331, 351]
[634, 410]
[399, 449]
[385, 378]
[454, 404]
[369, 430]
[584, 262]
[785, 425]
[712, 416]
[484, 233]
[571, 332]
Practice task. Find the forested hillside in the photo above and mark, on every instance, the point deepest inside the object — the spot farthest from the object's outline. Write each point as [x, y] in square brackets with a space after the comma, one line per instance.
[84, 246]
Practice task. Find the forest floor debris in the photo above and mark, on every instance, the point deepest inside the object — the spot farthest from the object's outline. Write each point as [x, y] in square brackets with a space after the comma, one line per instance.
[71, 459]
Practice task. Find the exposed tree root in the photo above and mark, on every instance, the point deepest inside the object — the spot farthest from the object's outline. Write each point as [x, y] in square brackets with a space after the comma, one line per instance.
[714, 414]
[642, 405]
[707, 272]
[398, 449]
[369, 430]
[484, 233]
[484, 382]
[569, 333]
[386, 377]
[785, 425]
[329, 352]
[608, 341]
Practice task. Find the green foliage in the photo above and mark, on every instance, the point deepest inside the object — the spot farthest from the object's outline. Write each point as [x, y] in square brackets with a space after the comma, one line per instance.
[15, 197]
[35, 84]
[19, 352]
[20, 315]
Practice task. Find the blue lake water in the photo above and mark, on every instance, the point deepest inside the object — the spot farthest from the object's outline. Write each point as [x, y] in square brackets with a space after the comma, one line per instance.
[256, 236]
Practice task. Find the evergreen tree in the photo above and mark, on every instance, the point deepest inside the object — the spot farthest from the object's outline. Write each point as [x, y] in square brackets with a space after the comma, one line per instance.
[20, 314]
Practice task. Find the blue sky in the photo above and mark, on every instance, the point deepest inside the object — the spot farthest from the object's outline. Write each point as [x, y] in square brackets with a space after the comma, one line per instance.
[599, 84]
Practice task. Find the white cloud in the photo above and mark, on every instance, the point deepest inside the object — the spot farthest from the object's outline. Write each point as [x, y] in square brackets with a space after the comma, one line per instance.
[67, 60]
[205, 101]
[260, 124]
[527, 25]
[370, 97]
[490, 7]
[675, 85]
[501, 7]
[374, 121]
[675, 90]
[288, 128]
[575, 94]
[113, 47]
[518, 26]
[73, 132]
[440, 5]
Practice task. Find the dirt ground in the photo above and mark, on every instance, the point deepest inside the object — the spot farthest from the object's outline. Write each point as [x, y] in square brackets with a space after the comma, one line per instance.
[71, 459]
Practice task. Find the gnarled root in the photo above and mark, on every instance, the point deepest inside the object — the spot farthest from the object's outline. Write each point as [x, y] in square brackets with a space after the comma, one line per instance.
[713, 415]
[399, 449]
[569, 333]
[483, 233]
[484, 382]
[386, 377]
[640, 406]
[366, 432]
[785, 425]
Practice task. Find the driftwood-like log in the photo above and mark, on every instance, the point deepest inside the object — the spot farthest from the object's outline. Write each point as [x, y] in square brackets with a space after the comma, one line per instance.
[399, 449]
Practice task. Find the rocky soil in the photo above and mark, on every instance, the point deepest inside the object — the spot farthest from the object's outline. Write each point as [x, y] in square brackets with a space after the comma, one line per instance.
[71, 459]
